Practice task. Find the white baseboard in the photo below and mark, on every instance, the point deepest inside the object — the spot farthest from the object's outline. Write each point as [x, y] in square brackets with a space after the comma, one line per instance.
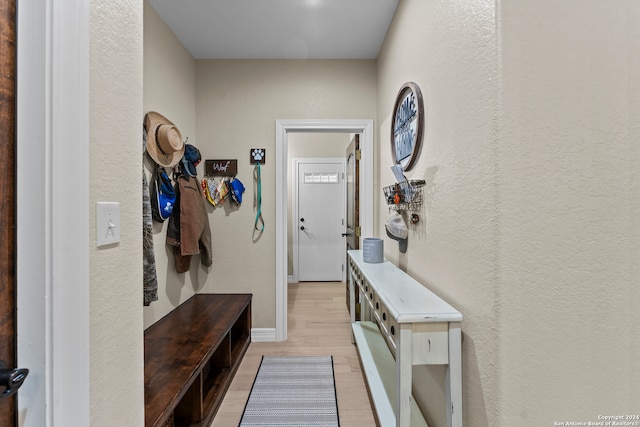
[263, 334]
[290, 279]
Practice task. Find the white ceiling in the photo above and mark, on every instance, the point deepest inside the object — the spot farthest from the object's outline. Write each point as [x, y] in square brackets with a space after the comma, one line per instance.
[345, 29]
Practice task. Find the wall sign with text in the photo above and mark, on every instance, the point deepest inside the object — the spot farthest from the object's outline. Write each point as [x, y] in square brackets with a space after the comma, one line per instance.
[407, 126]
[226, 167]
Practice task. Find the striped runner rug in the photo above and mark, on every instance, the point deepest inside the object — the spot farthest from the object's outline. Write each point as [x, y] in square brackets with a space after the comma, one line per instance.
[293, 391]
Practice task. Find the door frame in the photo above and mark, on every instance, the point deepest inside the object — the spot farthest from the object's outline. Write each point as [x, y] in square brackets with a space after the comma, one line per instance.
[53, 212]
[283, 128]
[296, 161]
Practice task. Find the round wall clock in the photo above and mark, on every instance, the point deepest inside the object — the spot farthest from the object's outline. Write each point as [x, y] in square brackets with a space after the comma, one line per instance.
[407, 126]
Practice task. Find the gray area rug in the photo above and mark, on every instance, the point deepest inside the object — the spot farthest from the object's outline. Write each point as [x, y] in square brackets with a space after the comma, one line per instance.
[293, 391]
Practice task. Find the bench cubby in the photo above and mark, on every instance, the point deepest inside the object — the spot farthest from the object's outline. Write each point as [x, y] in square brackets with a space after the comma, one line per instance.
[191, 356]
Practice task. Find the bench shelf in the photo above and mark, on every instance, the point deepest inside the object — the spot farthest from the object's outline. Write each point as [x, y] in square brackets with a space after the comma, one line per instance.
[191, 356]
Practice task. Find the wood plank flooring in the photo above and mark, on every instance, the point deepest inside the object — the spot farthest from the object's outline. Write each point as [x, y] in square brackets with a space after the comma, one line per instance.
[318, 325]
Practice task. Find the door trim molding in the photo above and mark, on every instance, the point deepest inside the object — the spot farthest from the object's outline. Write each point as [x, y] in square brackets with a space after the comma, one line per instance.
[296, 162]
[53, 217]
[283, 128]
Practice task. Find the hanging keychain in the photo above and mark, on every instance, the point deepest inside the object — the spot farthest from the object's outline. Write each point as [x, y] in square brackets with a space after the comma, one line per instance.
[258, 200]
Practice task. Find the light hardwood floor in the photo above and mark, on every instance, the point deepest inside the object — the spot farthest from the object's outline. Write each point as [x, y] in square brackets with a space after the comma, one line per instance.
[318, 324]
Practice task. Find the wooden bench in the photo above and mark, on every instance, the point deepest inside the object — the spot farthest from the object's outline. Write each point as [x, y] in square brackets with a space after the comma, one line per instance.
[191, 356]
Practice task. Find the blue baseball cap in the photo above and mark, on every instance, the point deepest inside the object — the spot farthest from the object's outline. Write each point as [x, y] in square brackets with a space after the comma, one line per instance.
[237, 188]
[190, 160]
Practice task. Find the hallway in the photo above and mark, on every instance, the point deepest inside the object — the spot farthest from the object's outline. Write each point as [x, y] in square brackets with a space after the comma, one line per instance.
[318, 325]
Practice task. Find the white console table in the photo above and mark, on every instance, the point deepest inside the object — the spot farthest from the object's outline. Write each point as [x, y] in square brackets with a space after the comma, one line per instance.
[403, 324]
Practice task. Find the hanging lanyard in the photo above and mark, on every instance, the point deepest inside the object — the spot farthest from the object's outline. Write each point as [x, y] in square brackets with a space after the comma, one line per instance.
[259, 219]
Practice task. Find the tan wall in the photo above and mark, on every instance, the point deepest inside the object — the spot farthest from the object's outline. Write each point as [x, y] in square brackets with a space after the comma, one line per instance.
[530, 222]
[448, 49]
[238, 102]
[169, 88]
[569, 200]
[116, 366]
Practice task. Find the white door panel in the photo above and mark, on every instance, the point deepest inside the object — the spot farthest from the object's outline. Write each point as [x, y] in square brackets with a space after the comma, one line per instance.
[320, 222]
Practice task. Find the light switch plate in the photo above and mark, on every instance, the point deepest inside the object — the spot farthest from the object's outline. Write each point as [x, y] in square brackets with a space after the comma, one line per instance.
[107, 223]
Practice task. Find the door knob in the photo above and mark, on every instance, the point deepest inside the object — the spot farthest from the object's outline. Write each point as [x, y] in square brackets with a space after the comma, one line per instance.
[11, 379]
[301, 219]
[302, 227]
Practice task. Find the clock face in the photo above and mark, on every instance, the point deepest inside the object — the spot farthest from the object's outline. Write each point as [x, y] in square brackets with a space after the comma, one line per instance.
[407, 126]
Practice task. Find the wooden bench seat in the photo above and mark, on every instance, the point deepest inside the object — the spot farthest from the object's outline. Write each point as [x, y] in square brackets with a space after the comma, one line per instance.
[191, 356]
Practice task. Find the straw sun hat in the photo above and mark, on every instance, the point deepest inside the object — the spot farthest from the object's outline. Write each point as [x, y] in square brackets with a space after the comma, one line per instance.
[164, 141]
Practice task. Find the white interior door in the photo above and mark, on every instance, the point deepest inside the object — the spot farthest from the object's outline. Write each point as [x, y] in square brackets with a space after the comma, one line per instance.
[320, 221]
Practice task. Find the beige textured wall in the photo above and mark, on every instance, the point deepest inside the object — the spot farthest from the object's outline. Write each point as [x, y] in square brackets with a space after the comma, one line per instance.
[530, 222]
[238, 102]
[448, 49]
[302, 145]
[568, 199]
[169, 88]
[117, 382]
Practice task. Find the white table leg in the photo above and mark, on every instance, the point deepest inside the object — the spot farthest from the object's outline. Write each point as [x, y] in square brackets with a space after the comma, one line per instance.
[454, 377]
[403, 377]
[352, 302]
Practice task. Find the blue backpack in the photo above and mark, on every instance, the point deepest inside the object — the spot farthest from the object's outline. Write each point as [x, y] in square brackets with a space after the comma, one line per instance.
[163, 195]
